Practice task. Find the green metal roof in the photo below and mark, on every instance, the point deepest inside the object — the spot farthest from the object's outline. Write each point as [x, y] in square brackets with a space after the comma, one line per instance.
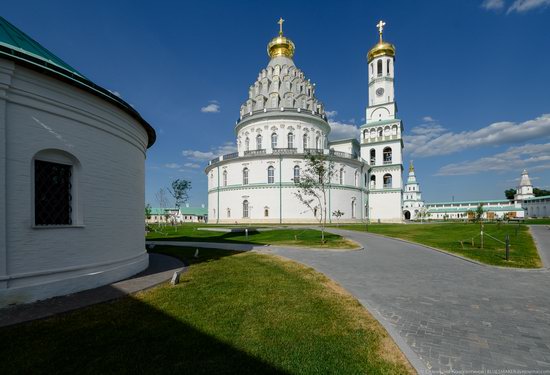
[17, 46]
[198, 211]
[381, 122]
[464, 209]
[472, 202]
[12, 37]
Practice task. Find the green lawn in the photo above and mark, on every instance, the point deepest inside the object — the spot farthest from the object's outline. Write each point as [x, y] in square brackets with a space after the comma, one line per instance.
[538, 221]
[523, 253]
[232, 313]
[293, 237]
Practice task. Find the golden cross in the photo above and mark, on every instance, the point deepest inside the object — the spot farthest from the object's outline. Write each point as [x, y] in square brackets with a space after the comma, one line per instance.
[281, 20]
[380, 26]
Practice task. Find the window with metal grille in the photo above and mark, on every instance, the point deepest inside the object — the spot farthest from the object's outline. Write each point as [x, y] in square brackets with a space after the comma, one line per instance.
[52, 193]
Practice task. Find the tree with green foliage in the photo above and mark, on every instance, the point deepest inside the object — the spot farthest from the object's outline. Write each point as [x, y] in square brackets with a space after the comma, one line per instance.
[510, 193]
[479, 212]
[180, 191]
[337, 214]
[540, 192]
[314, 184]
[148, 211]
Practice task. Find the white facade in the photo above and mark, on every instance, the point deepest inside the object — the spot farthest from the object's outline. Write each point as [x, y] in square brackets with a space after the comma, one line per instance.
[412, 197]
[282, 121]
[44, 119]
[525, 189]
[537, 207]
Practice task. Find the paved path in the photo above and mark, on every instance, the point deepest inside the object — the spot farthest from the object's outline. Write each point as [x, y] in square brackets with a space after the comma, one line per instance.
[452, 314]
[161, 268]
[541, 234]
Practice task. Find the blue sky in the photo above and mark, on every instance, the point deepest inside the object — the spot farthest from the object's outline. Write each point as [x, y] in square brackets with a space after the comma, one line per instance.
[472, 77]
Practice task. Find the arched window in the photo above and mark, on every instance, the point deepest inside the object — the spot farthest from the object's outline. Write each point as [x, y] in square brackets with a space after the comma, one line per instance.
[247, 144]
[371, 69]
[372, 156]
[224, 178]
[296, 174]
[356, 180]
[245, 209]
[387, 180]
[353, 209]
[304, 141]
[274, 140]
[341, 176]
[259, 142]
[245, 176]
[379, 68]
[266, 211]
[229, 212]
[270, 174]
[317, 142]
[290, 139]
[388, 67]
[366, 180]
[380, 132]
[387, 155]
[373, 182]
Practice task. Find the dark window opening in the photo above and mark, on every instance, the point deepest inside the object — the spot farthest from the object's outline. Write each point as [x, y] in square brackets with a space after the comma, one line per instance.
[52, 193]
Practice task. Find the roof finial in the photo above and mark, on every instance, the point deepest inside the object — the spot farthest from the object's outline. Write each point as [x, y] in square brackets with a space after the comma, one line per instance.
[411, 166]
[280, 22]
[380, 26]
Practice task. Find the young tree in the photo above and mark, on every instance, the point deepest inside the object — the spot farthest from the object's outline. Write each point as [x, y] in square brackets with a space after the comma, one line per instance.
[338, 214]
[180, 191]
[162, 200]
[314, 184]
[148, 211]
[479, 212]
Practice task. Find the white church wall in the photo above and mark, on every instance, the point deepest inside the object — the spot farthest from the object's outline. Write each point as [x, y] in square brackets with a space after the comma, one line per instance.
[105, 242]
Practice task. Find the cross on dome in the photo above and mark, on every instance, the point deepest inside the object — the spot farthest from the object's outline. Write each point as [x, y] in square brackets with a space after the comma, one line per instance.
[380, 26]
[280, 22]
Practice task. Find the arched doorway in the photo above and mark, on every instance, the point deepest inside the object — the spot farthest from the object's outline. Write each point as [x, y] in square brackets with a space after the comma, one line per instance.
[407, 215]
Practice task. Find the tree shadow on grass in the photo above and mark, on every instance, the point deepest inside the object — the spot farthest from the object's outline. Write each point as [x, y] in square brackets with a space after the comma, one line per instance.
[224, 237]
[126, 336]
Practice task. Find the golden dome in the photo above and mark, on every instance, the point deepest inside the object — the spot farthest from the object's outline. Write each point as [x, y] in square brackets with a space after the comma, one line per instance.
[381, 48]
[280, 45]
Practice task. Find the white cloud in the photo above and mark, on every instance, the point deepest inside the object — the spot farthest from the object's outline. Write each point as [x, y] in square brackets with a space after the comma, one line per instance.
[172, 165]
[522, 6]
[428, 119]
[341, 131]
[212, 107]
[331, 114]
[534, 157]
[196, 155]
[192, 165]
[492, 4]
[433, 139]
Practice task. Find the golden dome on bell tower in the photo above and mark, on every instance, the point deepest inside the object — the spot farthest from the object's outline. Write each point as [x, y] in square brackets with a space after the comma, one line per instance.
[381, 48]
[280, 45]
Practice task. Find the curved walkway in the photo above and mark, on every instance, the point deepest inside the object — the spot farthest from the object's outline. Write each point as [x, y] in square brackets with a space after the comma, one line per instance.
[452, 314]
[444, 312]
[161, 268]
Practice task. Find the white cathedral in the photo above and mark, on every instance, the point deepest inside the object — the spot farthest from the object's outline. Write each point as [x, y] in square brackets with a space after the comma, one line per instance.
[282, 121]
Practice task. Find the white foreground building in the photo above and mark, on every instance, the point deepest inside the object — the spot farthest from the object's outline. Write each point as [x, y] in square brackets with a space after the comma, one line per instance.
[282, 121]
[72, 166]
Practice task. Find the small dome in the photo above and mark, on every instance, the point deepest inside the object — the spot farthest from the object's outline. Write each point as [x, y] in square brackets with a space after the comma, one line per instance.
[280, 45]
[381, 48]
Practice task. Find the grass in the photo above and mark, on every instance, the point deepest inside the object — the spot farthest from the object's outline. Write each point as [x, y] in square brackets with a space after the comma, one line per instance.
[242, 313]
[290, 237]
[523, 252]
[538, 221]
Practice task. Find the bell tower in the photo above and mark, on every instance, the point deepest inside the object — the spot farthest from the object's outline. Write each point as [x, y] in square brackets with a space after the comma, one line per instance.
[381, 136]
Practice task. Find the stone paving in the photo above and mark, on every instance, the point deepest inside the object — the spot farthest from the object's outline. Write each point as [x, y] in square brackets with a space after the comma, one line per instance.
[452, 315]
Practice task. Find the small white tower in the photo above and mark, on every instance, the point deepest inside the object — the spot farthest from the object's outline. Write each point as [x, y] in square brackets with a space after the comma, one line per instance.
[412, 196]
[381, 136]
[525, 189]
